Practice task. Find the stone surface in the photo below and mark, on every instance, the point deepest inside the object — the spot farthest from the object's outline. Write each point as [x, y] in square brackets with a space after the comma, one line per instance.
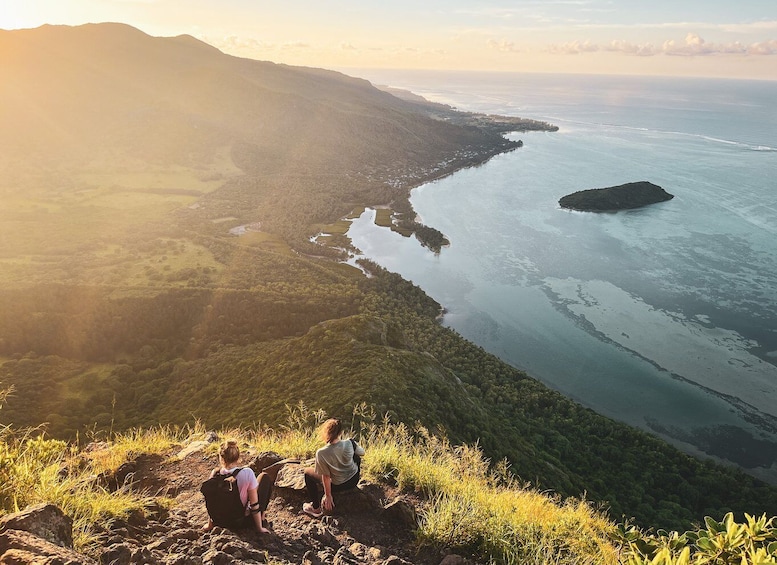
[399, 511]
[45, 521]
[264, 460]
[193, 447]
[117, 554]
[292, 475]
[17, 546]
[453, 559]
[359, 531]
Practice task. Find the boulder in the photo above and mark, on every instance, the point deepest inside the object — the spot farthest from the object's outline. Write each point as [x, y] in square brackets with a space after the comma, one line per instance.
[264, 460]
[113, 481]
[45, 521]
[292, 475]
[400, 512]
[365, 554]
[117, 554]
[215, 557]
[453, 559]
[322, 533]
[193, 447]
[344, 557]
[18, 547]
[364, 498]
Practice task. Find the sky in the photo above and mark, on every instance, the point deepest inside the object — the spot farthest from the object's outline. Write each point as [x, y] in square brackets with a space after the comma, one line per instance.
[732, 38]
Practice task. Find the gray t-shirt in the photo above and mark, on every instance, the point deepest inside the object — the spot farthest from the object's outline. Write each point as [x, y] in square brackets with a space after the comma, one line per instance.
[336, 460]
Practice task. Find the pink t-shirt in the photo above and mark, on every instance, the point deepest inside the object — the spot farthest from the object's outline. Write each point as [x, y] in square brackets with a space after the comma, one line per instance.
[246, 480]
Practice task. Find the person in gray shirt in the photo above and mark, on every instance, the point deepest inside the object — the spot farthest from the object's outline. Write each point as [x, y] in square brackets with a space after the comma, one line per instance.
[338, 468]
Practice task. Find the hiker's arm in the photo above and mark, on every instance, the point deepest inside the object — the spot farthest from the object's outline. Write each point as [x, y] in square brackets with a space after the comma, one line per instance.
[328, 503]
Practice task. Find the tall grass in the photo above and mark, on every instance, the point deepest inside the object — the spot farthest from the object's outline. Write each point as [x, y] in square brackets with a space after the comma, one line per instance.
[34, 469]
[474, 508]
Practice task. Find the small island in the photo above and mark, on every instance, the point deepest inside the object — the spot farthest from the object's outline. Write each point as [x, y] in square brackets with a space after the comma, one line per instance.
[621, 197]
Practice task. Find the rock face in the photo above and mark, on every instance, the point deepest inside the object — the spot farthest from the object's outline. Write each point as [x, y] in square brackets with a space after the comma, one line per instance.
[363, 528]
[40, 534]
[621, 197]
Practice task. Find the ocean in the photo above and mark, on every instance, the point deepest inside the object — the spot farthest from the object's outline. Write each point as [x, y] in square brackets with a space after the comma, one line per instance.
[664, 317]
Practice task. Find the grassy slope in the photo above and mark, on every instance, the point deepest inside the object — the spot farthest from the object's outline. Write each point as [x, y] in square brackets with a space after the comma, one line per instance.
[464, 506]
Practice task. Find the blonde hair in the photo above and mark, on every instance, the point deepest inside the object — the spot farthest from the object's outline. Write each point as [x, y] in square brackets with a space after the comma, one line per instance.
[330, 430]
[229, 452]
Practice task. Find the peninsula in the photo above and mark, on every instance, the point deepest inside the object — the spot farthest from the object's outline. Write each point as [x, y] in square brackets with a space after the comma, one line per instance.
[614, 198]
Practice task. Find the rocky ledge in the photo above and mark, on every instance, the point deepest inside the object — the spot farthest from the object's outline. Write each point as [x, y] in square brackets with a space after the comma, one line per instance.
[621, 197]
[373, 524]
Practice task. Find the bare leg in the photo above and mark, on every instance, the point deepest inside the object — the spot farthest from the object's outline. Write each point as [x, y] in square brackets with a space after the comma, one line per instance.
[253, 500]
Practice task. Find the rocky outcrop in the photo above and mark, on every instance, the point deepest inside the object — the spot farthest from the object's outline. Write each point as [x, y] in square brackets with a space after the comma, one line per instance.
[41, 534]
[613, 198]
[374, 524]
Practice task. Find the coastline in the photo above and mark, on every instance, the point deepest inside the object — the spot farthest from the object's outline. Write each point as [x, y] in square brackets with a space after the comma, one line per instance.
[404, 215]
[694, 412]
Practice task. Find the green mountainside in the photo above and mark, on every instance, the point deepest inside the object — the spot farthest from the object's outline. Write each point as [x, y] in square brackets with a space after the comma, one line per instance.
[125, 301]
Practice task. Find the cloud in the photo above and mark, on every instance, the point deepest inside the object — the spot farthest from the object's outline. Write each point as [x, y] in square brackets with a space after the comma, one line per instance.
[641, 50]
[759, 26]
[694, 45]
[573, 48]
[236, 43]
[503, 45]
[294, 45]
[763, 48]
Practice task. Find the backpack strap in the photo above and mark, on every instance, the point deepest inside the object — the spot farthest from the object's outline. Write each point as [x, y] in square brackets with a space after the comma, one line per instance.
[356, 458]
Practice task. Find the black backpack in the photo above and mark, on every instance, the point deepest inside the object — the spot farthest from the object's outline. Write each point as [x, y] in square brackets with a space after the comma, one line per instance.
[222, 499]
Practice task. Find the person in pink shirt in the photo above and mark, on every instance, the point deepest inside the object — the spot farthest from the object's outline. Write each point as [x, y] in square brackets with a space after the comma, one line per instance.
[254, 491]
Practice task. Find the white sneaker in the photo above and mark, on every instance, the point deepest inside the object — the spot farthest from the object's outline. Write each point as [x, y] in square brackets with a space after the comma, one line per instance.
[308, 509]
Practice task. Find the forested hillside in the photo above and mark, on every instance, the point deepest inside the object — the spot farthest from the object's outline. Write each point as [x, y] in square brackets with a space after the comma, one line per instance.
[159, 200]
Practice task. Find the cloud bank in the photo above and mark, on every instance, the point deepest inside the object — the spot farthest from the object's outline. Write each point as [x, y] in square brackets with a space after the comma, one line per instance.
[693, 46]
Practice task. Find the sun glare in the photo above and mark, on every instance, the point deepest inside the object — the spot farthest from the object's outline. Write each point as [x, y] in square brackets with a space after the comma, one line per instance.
[11, 17]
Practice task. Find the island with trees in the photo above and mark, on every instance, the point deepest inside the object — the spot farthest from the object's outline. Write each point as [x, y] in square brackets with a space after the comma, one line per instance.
[614, 198]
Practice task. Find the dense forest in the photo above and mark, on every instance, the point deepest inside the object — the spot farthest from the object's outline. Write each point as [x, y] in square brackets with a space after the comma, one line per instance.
[379, 343]
[127, 299]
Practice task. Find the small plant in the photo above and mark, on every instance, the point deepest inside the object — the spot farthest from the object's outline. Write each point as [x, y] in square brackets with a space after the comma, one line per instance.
[727, 542]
